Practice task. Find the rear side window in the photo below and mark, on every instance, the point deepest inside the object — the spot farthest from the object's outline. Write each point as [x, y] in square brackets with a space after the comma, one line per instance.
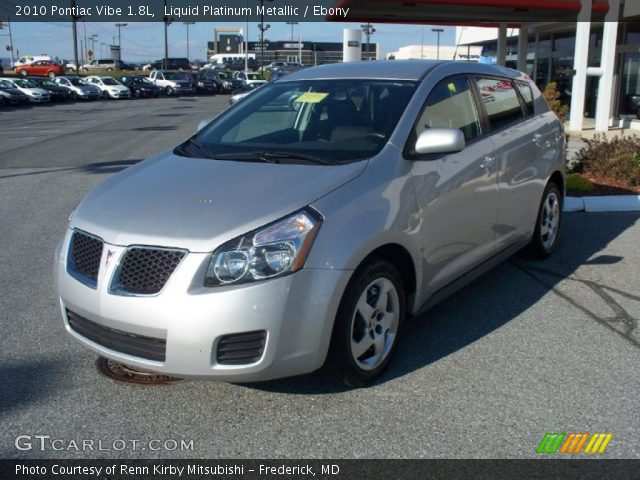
[450, 105]
[527, 96]
[500, 101]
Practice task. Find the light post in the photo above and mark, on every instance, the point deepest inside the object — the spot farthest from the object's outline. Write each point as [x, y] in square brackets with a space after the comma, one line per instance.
[368, 31]
[438, 31]
[93, 39]
[120, 25]
[292, 25]
[167, 21]
[422, 43]
[263, 28]
[187, 24]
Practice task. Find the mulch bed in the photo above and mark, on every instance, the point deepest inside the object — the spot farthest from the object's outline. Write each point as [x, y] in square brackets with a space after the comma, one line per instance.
[605, 186]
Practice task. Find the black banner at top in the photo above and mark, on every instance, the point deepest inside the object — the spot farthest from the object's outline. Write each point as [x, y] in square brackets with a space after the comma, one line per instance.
[171, 10]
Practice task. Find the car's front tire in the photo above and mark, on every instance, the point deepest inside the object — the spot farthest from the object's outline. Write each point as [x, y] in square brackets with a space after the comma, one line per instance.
[367, 325]
[169, 91]
[548, 221]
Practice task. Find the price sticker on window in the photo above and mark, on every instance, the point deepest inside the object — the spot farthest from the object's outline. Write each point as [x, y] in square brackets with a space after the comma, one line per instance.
[312, 97]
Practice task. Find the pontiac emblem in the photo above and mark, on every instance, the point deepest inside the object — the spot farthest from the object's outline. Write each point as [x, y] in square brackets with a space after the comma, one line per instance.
[108, 259]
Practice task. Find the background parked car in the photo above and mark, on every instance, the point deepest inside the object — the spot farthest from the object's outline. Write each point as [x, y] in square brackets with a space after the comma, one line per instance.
[44, 68]
[141, 87]
[250, 79]
[35, 94]
[110, 87]
[78, 88]
[107, 64]
[171, 64]
[57, 92]
[201, 83]
[11, 95]
[173, 83]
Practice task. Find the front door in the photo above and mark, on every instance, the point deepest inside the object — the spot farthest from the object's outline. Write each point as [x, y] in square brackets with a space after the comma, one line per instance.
[457, 194]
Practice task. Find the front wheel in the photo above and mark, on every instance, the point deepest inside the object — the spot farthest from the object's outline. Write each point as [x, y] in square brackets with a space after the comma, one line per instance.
[105, 95]
[545, 236]
[51, 75]
[367, 325]
[169, 91]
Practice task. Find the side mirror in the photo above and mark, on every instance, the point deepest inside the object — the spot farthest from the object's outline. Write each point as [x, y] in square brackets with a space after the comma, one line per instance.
[203, 124]
[440, 140]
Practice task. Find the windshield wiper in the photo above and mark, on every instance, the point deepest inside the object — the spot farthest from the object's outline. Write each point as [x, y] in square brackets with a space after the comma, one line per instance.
[271, 157]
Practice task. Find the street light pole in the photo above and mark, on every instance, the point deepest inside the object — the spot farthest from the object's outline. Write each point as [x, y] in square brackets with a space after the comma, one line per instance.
[368, 31]
[438, 31]
[120, 25]
[263, 28]
[167, 21]
[292, 24]
[187, 25]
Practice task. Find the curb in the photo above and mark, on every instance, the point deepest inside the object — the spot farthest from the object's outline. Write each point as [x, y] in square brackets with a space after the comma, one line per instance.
[605, 203]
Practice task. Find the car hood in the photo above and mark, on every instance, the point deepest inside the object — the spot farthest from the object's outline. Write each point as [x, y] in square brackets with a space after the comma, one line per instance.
[38, 91]
[198, 204]
[13, 91]
[86, 88]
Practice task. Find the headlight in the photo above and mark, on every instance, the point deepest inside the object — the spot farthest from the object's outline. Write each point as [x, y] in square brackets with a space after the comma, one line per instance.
[272, 251]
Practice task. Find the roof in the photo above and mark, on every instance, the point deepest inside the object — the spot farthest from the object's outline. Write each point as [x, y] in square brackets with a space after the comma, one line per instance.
[380, 69]
[466, 12]
[396, 70]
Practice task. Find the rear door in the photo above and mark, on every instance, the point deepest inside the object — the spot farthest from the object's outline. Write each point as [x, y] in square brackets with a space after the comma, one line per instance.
[515, 134]
[457, 194]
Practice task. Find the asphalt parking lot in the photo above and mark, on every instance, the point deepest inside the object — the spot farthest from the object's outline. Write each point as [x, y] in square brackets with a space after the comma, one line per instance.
[529, 348]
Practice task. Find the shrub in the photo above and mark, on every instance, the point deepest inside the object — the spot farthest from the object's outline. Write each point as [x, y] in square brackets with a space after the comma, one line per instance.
[616, 157]
[577, 183]
[552, 96]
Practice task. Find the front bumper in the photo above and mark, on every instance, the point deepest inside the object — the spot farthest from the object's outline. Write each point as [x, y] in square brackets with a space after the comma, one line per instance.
[40, 99]
[295, 311]
[119, 94]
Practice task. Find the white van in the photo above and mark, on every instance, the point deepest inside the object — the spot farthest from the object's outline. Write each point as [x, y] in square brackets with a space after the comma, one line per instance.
[221, 59]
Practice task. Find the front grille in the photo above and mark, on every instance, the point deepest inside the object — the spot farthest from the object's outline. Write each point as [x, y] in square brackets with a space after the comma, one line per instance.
[145, 270]
[83, 261]
[241, 348]
[149, 348]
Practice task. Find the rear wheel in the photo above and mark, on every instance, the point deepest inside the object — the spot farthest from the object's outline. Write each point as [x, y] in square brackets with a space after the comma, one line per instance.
[23, 73]
[51, 75]
[545, 236]
[367, 325]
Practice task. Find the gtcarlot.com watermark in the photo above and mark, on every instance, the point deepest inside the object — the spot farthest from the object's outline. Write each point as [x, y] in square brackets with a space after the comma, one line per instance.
[48, 443]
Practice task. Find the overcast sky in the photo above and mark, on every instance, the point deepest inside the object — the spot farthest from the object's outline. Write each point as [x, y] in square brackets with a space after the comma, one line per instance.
[144, 41]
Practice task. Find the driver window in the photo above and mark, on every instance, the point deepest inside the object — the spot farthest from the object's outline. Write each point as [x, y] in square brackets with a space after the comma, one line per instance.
[450, 105]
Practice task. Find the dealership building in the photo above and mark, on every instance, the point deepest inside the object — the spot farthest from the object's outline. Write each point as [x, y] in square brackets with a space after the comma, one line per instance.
[590, 47]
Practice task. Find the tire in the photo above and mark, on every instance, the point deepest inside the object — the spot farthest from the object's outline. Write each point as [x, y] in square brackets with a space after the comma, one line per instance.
[23, 73]
[2, 101]
[361, 348]
[109, 69]
[638, 113]
[548, 222]
[51, 75]
[74, 96]
[138, 94]
[169, 91]
[105, 95]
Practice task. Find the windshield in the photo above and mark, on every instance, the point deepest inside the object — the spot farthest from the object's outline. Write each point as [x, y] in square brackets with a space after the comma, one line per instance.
[173, 76]
[77, 82]
[25, 83]
[5, 84]
[332, 121]
[109, 81]
[253, 76]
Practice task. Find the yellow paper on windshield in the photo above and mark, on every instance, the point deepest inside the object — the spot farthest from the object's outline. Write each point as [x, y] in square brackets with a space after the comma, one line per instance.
[312, 97]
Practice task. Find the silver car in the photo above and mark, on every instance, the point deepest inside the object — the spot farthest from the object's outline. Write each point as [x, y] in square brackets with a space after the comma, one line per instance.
[302, 225]
[78, 88]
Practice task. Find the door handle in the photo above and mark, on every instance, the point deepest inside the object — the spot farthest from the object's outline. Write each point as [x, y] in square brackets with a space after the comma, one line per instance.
[537, 139]
[488, 162]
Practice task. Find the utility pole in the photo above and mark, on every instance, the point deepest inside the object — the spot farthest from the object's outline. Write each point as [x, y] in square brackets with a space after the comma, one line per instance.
[422, 43]
[74, 19]
[10, 40]
[438, 31]
[86, 44]
[120, 25]
[93, 39]
[187, 25]
[368, 31]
